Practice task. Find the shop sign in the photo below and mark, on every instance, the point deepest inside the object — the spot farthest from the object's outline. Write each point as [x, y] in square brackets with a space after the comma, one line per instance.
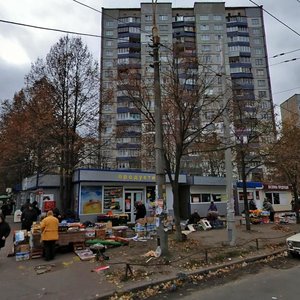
[136, 177]
[276, 187]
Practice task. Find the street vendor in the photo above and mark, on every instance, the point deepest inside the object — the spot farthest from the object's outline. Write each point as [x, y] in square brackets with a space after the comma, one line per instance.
[212, 213]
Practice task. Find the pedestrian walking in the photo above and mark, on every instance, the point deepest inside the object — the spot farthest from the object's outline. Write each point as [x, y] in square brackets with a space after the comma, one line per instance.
[4, 230]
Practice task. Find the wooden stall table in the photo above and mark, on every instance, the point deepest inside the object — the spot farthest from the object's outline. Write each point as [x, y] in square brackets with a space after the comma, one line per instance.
[77, 238]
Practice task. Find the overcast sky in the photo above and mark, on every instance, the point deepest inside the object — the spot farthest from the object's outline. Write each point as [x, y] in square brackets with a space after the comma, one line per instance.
[21, 46]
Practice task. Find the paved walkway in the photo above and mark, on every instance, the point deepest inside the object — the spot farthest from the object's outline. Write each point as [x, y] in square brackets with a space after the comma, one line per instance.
[70, 278]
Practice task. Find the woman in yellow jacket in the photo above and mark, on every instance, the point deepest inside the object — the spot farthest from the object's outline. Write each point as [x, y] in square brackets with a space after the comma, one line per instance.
[49, 227]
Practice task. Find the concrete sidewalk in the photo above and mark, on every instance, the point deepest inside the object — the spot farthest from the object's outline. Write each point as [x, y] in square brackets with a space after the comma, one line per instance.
[70, 278]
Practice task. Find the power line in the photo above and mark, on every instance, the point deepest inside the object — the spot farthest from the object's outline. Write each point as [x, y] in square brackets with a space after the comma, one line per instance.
[51, 29]
[275, 18]
[285, 61]
[280, 92]
[284, 53]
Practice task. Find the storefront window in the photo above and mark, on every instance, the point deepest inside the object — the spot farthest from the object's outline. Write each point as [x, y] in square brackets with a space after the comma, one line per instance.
[249, 196]
[216, 197]
[197, 198]
[112, 198]
[273, 198]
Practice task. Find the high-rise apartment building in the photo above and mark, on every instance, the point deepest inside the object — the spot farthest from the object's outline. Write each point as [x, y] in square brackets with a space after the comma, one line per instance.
[222, 38]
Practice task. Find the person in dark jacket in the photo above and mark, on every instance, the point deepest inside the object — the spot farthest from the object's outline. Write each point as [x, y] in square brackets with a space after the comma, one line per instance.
[28, 217]
[25, 205]
[140, 210]
[36, 209]
[4, 231]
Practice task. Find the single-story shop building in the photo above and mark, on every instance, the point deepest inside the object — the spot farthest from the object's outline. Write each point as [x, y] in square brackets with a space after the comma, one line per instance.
[101, 191]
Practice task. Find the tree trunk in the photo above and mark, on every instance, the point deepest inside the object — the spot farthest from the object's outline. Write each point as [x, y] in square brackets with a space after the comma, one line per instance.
[245, 194]
[295, 208]
[175, 190]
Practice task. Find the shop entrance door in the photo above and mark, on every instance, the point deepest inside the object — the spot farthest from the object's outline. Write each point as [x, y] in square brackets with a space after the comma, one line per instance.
[131, 198]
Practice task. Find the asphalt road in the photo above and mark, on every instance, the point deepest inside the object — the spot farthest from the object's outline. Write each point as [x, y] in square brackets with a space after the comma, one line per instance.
[276, 281]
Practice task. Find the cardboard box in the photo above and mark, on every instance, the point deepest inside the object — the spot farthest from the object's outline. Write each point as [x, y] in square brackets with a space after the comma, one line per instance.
[100, 233]
[22, 248]
[21, 256]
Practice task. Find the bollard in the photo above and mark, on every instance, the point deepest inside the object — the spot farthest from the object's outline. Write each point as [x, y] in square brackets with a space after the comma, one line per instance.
[257, 247]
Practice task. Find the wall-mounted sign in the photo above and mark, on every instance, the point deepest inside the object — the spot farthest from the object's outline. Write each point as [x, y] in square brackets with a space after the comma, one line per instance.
[276, 187]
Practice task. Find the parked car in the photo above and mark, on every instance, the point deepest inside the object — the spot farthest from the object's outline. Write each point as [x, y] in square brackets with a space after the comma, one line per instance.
[293, 244]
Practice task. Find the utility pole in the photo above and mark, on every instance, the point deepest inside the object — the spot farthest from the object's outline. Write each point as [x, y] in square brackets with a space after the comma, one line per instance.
[159, 153]
[231, 230]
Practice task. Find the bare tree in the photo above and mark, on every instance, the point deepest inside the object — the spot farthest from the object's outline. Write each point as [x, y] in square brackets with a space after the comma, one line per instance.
[284, 160]
[191, 103]
[72, 73]
[253, 131]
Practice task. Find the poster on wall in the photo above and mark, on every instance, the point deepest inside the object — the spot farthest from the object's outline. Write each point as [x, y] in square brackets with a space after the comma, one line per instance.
[48, 202]
[91, 197]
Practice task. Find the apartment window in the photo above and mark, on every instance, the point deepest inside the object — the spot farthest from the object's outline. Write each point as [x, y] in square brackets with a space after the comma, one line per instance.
[107, 64]
[109, 43]
[205, 37]
[257, 41]
[218, 27]
[189, 19]
[217, 18]
[108, 73]
[255, 21]
[108, 52]
[204, 18]
[163, 27]
[259, 62]
[148, 28]
[109, 33]
[260, 72]
[123, 50]
[261, 83]
[109, 24]
[123, 61]
[218, 37]
[204, 27]
[163, 18]
[206, 48]
[258, 51]
[262, 94]
[148, 18]
[206, 58]
[256, 31]
[189, 28]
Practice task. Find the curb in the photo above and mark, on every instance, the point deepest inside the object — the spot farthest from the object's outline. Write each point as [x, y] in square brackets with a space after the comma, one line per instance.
[198, 272]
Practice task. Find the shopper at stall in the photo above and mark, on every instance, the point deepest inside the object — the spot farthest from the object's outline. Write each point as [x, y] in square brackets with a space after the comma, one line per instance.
[267, 206]
[49, 228]
[4, 231]
[28, 216]
[36, 209]
[25, 205]
[252, 205]
[140, 210]
[56, 214]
